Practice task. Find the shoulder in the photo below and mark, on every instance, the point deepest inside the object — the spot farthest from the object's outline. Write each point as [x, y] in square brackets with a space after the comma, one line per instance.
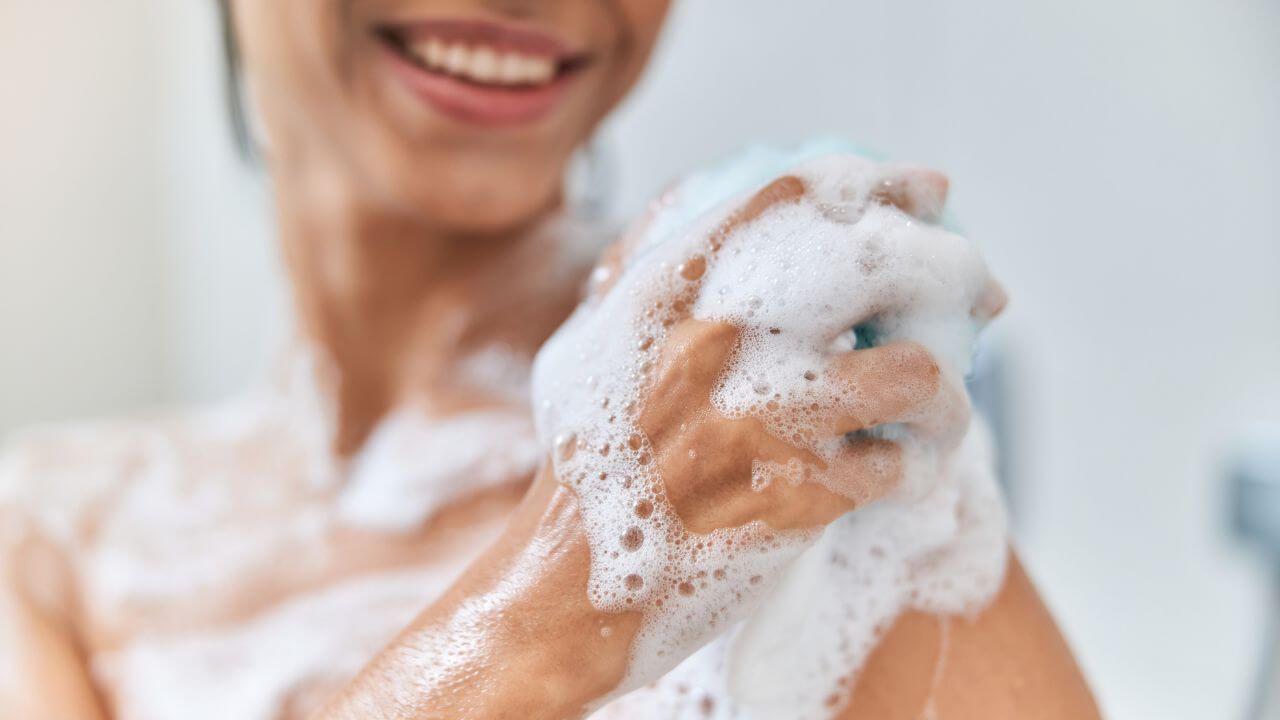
[62, 478]
[50, 479]
[54, 475]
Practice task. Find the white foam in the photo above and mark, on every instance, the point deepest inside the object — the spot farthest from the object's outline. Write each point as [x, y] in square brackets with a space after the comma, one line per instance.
[413, 465]
[175, 527]
[250, 669]
[796, 612]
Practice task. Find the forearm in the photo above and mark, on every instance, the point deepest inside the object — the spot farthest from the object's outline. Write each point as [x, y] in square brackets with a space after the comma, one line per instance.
[516, 636]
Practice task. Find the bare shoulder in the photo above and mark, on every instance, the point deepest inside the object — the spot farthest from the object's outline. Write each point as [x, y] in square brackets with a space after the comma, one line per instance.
[50, 480]
[55, 476]
[1010, 661]
[82, 485]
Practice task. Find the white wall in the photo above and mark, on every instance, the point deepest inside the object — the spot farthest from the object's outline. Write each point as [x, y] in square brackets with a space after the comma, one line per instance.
[79, 290]
[1119, 160]
[222, 277]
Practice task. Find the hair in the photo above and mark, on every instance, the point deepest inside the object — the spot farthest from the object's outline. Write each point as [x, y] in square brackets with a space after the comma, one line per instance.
[233, 86]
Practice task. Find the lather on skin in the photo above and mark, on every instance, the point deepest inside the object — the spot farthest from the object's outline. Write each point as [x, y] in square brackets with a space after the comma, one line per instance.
[534, 642]
[182, 567]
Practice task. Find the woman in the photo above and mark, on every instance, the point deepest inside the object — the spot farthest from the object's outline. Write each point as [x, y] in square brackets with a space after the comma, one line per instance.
[273, 558]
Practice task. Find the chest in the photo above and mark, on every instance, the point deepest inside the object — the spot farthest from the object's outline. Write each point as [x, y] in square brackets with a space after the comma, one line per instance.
[251, 582]
[200, 529]
[265, 634]
[277, 663]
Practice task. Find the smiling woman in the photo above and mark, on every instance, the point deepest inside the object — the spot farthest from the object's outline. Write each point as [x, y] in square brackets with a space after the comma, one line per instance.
[351, 90]
[381, 531]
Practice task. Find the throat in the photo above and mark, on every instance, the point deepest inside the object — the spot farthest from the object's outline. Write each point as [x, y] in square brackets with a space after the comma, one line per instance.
[405, 318]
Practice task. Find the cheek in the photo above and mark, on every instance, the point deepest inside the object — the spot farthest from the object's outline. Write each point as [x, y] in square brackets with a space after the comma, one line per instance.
[644, 19]
[638, 22]
[293, 53]
[646, 16]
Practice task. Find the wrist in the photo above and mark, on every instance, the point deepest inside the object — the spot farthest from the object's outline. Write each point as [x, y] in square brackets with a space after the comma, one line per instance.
[556, 653]
[516, 635]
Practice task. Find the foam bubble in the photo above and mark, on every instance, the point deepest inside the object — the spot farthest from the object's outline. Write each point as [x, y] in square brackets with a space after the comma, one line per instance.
[834, 265]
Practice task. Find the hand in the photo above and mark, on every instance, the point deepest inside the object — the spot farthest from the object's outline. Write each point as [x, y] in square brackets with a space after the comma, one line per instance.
[690, 414]
[705, 458]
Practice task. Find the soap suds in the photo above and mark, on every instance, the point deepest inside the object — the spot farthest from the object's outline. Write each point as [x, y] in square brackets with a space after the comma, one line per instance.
[791, 615]
[210, 550]
[261, 663]
[413, 465]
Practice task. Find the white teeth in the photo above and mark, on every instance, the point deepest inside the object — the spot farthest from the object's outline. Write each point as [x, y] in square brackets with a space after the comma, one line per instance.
[511, 69]
[434, 55]
[456, 59]
[484, 64]
[539, 70]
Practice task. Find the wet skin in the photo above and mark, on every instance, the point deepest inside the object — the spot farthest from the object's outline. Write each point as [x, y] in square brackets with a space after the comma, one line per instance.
[406, 237]
[542, 651]
[1007, 662]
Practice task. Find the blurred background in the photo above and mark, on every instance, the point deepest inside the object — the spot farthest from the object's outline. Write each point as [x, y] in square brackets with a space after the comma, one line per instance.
[1120, 161]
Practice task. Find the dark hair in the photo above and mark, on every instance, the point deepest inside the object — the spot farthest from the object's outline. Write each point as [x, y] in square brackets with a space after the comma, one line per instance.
[233, 86]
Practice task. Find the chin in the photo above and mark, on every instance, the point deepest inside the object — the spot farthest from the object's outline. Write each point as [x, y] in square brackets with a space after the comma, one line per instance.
[486, 220]
[499, 200]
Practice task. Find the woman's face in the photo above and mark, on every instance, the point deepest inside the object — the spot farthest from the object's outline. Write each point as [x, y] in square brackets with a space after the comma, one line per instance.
[459, 114]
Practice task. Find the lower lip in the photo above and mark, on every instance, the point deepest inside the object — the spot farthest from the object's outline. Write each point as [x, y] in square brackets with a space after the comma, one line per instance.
[477, 104]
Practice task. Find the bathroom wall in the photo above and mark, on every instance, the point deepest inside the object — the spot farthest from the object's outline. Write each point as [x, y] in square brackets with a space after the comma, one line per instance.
[79, 287]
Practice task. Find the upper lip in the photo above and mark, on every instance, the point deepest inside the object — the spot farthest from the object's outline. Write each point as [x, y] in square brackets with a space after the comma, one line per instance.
[495, 35]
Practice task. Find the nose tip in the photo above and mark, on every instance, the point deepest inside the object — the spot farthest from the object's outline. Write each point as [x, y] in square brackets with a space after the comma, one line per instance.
[920, 192]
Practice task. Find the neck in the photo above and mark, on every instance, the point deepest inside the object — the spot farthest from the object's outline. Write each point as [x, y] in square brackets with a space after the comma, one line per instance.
[398, 308]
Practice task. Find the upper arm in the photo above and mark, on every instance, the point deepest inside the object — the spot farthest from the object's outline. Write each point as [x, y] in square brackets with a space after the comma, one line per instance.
[43, 672]
[1008, 662]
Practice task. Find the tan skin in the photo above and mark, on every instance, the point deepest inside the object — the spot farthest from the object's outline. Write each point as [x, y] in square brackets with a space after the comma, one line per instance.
[401, 228]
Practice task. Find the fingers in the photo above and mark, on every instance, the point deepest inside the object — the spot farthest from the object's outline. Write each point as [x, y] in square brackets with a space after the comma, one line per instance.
[783, 190]
[614, 260]
[787, 188]
[991, 303]
[919, 192]
[895, 384]
[866, 470]
[801, 495]
[886, 384]
[922, 193]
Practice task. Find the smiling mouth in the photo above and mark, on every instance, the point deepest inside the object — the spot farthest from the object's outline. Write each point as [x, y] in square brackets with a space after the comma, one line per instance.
[480, 72]
[483, 53]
